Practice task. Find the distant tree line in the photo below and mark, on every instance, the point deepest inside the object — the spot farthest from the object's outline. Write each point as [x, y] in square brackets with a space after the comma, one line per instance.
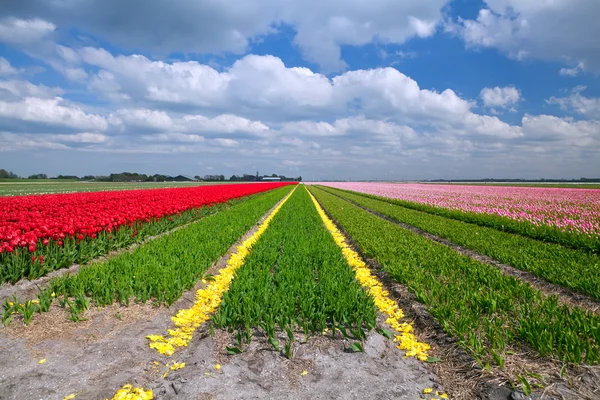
[7, 174]
[136, 177]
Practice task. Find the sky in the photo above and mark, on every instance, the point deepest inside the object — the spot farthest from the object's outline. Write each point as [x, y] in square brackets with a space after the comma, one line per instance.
[323, 89]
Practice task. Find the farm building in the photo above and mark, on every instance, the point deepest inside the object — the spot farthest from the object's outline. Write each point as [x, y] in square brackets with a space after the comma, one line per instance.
[181, 178]
[271, 178]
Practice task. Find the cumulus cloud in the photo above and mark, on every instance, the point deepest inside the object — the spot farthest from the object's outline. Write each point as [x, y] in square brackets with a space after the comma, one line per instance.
[24, 32]
[588, 107]
[502, 97]
[262, 87]
[562, 30]
[53, 112]
[18, 89]
[321, 28]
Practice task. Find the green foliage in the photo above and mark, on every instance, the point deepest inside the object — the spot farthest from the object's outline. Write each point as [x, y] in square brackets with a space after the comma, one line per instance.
[574, 269]
[485, 309]
[163, 269]
[296, 278]
[544, 233]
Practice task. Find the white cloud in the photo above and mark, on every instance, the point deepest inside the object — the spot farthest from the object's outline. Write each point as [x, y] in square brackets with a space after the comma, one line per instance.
[321, 28]
[5, 68]
[23, 32]
[82, 137]
[145, 119]
[262, 87]
[18, 89]
[53, 112]
[557, 30]
[502, 97]
[223, 124]
[586, 106]
[545, 128]
[576, 70]
[75, 74]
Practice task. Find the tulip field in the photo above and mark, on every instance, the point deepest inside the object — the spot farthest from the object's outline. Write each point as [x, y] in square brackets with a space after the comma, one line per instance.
[566, 216]
[41, 233]
[284, 265]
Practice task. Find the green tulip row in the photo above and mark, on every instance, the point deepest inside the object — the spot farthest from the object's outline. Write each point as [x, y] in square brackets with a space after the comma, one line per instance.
[575, 269]
[489, 312]
[160, 270]
[544, 233]
[295, 278]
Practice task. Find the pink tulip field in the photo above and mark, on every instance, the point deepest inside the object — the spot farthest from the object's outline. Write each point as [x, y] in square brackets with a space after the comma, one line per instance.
[570, 210]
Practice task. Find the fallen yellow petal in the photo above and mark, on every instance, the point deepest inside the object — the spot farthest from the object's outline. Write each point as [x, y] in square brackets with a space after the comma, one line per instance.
[128, 392]
[177, 366]
[304, 373]
[427, 390]
[43, 360]
[70, 397]
[217, 366]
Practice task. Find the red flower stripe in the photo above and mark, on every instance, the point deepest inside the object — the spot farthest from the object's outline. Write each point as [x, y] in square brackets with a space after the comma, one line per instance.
[24, 220]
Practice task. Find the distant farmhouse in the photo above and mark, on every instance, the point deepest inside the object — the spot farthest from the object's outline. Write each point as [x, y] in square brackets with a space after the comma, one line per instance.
[181, 178]
[271, 178]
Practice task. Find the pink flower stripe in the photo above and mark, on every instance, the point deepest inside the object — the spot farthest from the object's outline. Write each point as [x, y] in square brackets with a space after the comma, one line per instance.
[570, 210]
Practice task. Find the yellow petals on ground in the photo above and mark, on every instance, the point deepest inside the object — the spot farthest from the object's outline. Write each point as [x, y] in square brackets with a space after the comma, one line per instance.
[427, 390]
[128, 392]
[209, 298]
[304, 373]
[70, 397]
[43, 360]
[217, 366]
[406, 339]
[177, 366]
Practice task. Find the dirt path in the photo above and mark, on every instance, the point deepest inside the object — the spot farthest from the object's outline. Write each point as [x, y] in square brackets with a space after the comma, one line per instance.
[96, 357]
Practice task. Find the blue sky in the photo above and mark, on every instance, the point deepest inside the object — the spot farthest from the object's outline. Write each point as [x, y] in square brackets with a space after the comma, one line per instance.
[378, 89]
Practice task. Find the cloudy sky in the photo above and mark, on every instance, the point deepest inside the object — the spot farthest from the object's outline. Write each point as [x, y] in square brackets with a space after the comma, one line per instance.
[326, 89]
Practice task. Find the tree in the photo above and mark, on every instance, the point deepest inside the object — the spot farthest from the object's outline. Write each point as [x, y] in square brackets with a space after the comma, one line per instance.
[38, 176]
[7, 174]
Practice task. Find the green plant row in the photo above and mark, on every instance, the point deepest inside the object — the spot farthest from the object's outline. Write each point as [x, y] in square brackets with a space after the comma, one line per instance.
[544, 233]
[19, 264]
[489, 312]
[574, 269]
[160, 270]
[295, 278]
